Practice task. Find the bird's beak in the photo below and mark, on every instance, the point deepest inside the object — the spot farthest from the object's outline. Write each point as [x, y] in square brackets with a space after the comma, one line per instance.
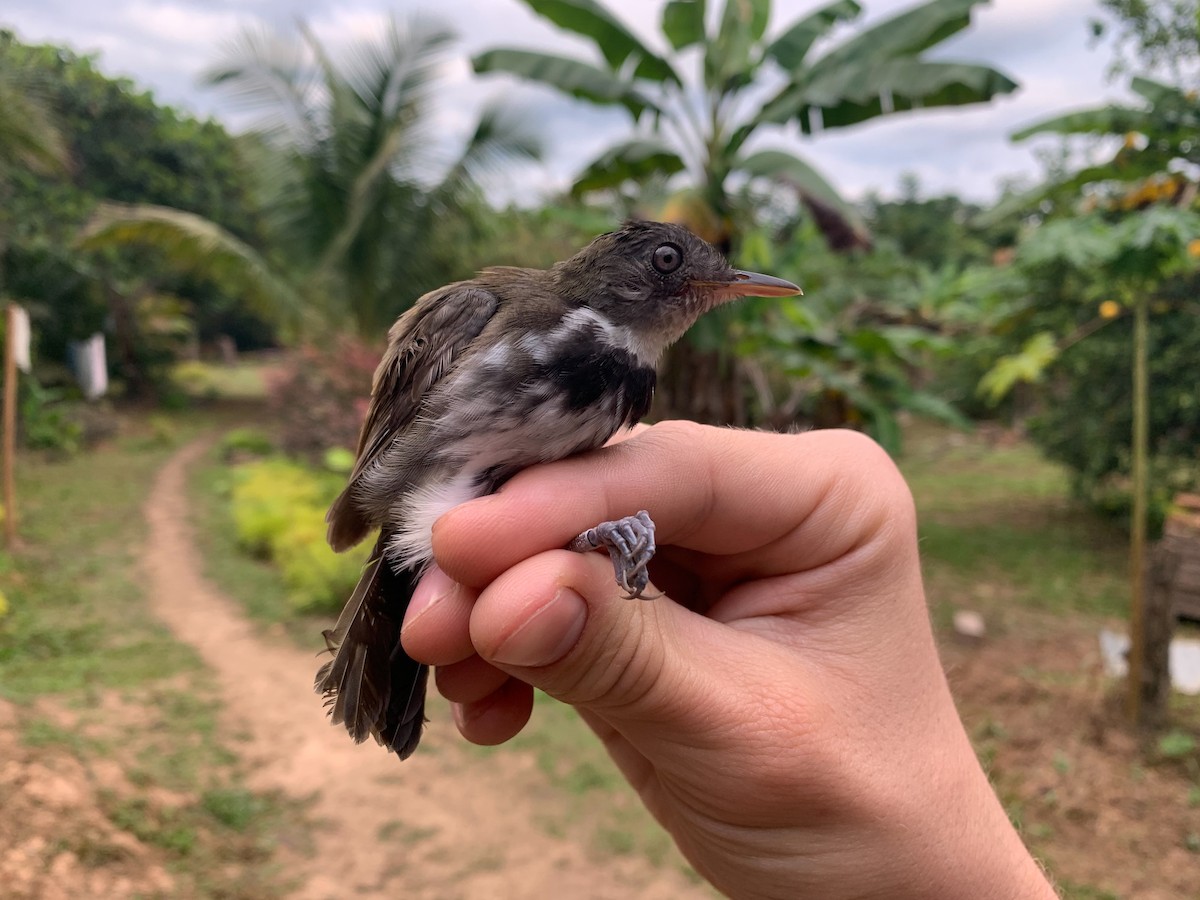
[751, 284]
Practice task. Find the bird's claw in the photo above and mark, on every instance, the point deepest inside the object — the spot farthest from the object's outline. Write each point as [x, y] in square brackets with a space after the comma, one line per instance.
[630, 545]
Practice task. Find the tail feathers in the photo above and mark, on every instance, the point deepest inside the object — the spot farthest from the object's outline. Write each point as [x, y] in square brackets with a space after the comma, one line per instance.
[371, 686]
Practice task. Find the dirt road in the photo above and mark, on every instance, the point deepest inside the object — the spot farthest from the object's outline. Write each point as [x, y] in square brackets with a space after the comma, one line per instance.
[445, 824]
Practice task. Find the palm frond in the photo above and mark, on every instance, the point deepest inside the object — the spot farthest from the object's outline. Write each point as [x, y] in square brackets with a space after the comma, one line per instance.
[195, 244]
[272, 74]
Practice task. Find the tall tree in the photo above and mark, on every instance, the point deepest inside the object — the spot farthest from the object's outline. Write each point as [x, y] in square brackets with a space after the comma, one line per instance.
[355, 186]
[116, 143]
[750, 83]
[1155, 37]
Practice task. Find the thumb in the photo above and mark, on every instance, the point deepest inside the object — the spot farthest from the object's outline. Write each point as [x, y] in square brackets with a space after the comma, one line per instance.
[559, 622]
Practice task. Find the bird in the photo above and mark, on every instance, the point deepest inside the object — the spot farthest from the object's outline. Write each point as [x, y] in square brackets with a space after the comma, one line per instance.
[481, 379]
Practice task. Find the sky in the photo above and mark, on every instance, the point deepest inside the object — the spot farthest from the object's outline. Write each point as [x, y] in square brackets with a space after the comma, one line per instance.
[1045, 45]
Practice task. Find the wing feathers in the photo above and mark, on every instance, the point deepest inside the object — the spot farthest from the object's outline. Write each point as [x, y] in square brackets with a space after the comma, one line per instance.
[423, 346]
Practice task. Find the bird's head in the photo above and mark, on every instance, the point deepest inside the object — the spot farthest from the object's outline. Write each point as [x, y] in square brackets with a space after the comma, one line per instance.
[656, 279]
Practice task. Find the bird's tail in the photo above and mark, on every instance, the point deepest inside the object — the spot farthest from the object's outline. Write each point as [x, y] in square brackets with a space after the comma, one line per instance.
[371, 685]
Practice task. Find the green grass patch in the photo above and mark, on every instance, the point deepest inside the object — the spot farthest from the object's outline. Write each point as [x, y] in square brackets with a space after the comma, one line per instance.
[998, 528]
[77, 637]
[77, 619]
[211, 381]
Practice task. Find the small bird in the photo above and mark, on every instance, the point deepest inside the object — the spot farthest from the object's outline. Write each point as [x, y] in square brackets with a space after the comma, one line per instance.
[481, 379]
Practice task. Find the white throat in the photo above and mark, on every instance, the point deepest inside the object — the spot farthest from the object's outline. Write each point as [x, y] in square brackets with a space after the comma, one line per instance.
[646, 352]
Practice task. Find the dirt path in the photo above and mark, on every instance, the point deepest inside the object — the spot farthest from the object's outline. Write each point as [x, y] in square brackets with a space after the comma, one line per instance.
[444, 824]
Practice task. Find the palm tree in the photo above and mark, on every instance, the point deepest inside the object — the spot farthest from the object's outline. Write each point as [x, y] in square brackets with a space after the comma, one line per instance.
[353, 181]
[750, 83]
[29, 137]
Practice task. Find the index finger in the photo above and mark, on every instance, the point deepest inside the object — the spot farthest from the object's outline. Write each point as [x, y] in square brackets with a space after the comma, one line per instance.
[795, 502]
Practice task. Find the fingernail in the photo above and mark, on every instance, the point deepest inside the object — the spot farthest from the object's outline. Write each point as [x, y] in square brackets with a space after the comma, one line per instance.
[434, 587]
[547, 635]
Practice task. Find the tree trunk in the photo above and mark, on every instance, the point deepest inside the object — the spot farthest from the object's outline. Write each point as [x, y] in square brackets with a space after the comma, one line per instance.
[1137, 547]
[701, 385]
[1155, 684]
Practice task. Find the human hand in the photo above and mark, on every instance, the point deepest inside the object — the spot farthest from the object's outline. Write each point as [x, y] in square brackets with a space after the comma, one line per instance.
[786, 717]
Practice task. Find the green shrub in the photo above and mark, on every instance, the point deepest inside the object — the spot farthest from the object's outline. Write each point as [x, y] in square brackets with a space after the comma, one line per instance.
[243, 442]
[48, 419]
[268, 496]
[279, 514]
[194, 379]
[317, 578]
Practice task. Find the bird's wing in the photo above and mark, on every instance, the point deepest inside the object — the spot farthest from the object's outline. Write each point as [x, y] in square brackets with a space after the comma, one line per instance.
[422, 346]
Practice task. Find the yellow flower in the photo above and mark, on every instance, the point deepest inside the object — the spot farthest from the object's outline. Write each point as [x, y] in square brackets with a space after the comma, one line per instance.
[1110, 309]
[1194, 248]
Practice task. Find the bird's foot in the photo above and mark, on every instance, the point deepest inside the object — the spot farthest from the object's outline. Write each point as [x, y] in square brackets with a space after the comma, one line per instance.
[630, 545]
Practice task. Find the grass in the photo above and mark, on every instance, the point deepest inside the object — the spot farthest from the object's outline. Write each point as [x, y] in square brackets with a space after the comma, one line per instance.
[92, 675]
[594, 793]
[998, 530]
[596, 797]
[209, 381]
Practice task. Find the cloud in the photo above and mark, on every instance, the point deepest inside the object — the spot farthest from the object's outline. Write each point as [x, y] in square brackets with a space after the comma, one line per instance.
[1043, 44]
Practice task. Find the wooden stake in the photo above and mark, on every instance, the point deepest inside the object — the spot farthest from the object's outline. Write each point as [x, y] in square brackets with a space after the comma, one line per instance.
[10, 425]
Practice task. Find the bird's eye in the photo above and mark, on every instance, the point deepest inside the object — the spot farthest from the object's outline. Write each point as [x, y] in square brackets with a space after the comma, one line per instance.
[667, 258]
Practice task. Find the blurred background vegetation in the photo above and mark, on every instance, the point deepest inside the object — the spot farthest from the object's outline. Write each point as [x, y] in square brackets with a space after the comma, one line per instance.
[269, 263]
[309, 233]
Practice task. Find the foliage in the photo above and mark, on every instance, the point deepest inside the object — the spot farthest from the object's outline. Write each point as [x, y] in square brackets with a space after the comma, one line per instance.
[29, 136]
[749, 83]
[850, 351]
[937, 231]
[1086, 419]
[1156, 36]
[48, 420]
[278, 510]
[241, 443]
[1157, 145]
[355, 201]
[1067, 328]
[320, 396]
[122, 146]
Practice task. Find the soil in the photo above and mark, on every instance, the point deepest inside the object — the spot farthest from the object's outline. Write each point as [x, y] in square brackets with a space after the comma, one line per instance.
[1102, 810]
[1107, 818]
[440, 825]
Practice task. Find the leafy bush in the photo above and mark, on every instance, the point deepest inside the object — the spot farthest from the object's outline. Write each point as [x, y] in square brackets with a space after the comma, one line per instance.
[279, 514]
[49, 419]
[1069, 334]
[851, 352]
[194, 379]
[320, 396]
[266, 497]
[1085, 421]
[245, 442]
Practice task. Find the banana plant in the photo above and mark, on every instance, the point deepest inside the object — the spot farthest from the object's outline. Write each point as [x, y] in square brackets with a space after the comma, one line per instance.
[753, 79]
